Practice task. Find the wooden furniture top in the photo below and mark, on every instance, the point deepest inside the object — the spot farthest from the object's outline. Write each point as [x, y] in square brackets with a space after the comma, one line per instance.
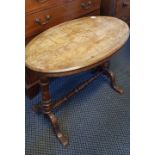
[76, 44]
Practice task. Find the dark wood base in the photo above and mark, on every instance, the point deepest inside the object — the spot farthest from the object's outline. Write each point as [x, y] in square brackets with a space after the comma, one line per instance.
[46, 106]
[53, 119]
[111, 76]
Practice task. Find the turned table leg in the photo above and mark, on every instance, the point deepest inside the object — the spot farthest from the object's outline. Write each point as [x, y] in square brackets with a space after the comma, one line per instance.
[46, 107]
[111, 76]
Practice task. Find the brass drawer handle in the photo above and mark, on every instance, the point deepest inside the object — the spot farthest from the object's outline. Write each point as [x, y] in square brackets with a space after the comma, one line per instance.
[86, 5]
[39, 22]
[42, 1]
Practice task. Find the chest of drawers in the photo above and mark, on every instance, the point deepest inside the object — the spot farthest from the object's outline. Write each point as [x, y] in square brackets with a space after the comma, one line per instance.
[117, 8]
[43, 14]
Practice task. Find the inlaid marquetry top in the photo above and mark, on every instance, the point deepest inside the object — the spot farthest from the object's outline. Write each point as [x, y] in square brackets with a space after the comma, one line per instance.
[76, 44]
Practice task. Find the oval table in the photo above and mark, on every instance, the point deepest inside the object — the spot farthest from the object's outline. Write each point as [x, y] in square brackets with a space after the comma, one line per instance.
[72, 47]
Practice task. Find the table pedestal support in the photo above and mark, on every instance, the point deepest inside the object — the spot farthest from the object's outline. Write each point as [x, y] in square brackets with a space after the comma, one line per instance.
[111, 76]
[46, 106]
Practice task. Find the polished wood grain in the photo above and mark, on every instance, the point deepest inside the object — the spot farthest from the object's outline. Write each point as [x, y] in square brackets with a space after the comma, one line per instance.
[59, 11]
[76, 44]
[116, 8]
[38, 5]
[42, 20]
[34, 30]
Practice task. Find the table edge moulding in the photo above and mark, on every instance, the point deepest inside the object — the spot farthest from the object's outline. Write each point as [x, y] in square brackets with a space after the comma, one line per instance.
[59, 43]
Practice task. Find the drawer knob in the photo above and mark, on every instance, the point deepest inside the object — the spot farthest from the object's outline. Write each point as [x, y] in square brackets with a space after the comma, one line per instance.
[39, 22]
[86, 5]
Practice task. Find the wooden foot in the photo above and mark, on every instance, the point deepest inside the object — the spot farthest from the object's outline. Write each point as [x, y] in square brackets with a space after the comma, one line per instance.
[111, 76]
[54, 121]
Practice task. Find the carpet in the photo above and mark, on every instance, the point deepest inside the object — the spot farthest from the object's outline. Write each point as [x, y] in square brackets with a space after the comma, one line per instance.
[96, 120]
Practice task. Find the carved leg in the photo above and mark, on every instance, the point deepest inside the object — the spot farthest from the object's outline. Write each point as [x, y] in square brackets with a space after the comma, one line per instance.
[56, 128]
[111, 76]
[46, 107]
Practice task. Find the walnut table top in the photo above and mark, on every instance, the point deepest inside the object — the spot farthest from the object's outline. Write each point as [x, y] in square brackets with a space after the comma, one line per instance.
[76, 44]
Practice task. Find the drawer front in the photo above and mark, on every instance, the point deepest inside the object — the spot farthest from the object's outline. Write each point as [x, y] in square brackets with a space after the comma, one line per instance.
[35, 5]
[94, 13]
[122, 8]
[78, 8]
[32, 5]
[40, 21]
[70, 9]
